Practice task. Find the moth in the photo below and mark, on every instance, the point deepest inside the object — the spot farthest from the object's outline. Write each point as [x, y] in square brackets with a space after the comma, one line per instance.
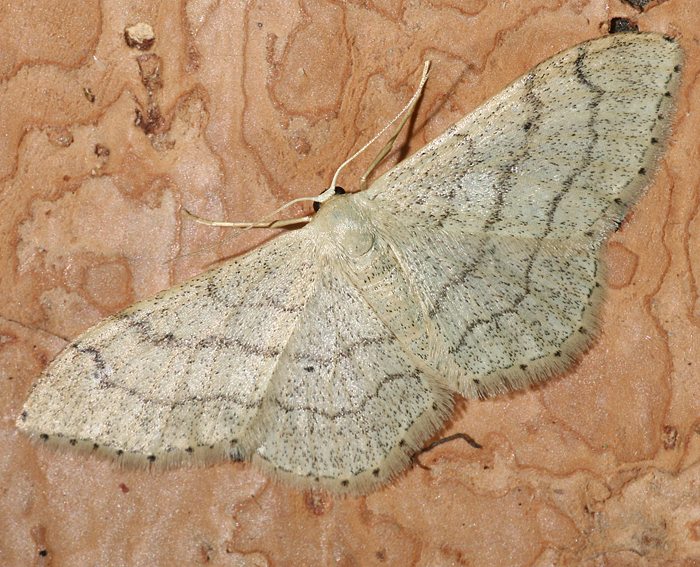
[329, 355]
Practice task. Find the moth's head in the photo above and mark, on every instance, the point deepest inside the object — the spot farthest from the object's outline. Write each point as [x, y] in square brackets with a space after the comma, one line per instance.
[338, 191]
[344, 224]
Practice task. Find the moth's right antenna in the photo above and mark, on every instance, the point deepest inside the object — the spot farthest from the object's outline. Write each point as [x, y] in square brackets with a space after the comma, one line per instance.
[406, 112]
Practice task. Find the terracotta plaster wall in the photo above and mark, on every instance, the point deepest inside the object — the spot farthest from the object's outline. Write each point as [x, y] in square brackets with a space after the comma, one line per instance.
[235, 109]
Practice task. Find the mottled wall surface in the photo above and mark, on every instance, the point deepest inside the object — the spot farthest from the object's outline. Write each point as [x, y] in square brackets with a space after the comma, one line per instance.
[235, 109]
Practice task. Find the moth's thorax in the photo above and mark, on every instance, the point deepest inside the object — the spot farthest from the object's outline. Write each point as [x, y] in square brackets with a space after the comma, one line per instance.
[344, 224]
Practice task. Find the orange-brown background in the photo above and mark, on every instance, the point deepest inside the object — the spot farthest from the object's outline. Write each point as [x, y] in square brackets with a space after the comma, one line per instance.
[256, 103]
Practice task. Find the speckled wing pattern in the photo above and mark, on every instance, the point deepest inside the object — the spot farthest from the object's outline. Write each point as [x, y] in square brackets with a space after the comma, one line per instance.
[329, 355]
[182, 373]
[498, 223]
[274, 357]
